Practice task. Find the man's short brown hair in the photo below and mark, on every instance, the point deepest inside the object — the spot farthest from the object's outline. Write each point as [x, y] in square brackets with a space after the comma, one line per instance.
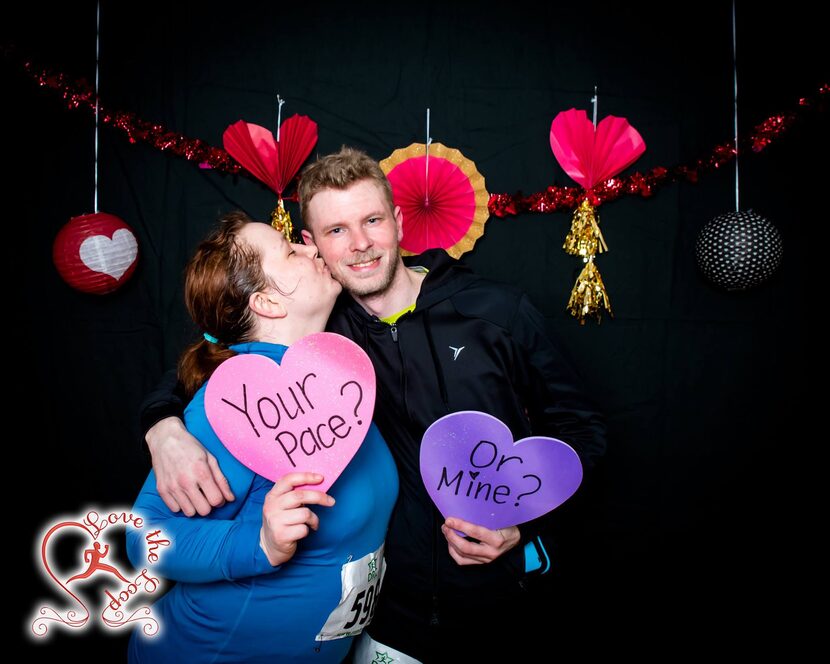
[340, 170]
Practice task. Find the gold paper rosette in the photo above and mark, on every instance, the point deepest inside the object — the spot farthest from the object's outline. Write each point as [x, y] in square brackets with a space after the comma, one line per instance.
[442, 195]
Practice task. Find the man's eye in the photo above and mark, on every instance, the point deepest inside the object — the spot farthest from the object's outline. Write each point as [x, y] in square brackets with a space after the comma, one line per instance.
[336, 231]
[373, 220]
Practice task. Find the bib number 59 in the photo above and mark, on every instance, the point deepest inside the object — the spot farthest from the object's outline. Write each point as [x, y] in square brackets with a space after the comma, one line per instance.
[363, 606]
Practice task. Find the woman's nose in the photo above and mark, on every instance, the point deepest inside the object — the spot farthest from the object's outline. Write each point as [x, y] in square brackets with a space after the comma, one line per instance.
[306, 250]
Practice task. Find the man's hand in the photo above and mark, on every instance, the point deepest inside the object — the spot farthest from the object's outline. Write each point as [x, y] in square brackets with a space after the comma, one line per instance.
[187, 476]
[491, 543]
[285, 517]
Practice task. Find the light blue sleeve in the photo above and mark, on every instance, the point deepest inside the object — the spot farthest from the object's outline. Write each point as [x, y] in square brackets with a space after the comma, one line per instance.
[536, 556]
[202, 549]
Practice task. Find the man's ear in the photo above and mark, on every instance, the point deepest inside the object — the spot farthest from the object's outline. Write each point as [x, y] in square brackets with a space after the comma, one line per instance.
[307, 238]
[267, 305]
[399, 221]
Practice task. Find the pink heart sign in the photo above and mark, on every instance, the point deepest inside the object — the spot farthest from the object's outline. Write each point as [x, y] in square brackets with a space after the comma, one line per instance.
[473, 470]
[309, 414]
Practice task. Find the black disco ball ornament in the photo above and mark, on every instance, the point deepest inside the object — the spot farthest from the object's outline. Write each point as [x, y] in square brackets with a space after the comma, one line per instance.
[738, 250]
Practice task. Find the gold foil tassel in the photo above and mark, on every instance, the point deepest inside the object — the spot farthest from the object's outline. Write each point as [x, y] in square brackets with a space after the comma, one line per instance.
[588, 297]
[281, 220]
[585, 238]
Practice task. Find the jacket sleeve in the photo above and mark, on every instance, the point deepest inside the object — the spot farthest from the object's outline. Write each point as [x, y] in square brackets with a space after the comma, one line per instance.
[551, 390]
[167, 400]
[556, 403]
[217, 547]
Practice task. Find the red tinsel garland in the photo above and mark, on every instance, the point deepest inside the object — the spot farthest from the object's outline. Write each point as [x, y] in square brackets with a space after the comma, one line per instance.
[79, 94]
[555, 199]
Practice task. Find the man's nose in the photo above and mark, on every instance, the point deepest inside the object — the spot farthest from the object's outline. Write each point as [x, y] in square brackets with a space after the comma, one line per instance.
[360, 240]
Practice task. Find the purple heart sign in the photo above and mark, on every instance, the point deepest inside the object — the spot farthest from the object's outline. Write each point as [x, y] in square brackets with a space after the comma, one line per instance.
[473, 470]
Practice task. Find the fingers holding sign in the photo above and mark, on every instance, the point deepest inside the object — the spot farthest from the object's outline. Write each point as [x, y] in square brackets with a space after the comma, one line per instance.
[490, 545]
[286, 519]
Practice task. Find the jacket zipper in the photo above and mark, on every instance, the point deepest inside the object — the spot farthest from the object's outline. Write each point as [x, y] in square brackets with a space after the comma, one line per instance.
[433, 617]
[393, 330]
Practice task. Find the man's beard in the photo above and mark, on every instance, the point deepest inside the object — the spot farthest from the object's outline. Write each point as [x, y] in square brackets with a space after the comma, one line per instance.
[360, 289]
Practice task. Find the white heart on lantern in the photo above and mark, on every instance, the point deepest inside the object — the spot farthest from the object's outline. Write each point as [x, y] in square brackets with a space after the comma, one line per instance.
[110, 256]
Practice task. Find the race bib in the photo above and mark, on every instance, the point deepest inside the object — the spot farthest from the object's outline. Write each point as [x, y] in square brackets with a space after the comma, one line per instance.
[369, 651]
[360, 584]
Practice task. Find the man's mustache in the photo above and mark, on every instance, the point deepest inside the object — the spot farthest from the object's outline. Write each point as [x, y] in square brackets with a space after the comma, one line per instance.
[361, 259]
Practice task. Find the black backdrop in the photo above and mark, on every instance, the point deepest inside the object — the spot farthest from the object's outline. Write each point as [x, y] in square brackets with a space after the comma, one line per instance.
[690, 522]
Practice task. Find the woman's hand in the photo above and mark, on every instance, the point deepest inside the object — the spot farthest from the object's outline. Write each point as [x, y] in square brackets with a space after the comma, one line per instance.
[285, 517]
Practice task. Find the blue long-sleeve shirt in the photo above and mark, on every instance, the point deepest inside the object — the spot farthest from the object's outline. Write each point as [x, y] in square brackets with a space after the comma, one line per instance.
[230, 604]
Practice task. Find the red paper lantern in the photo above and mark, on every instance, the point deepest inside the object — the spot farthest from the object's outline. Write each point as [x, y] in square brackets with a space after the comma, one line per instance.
[95, 253]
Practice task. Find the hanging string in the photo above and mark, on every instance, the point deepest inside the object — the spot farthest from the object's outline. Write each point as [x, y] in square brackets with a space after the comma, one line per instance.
[426, 164]
[280, 102]
[735, 95]
[594, 100]
[280, 217]
[97, 102]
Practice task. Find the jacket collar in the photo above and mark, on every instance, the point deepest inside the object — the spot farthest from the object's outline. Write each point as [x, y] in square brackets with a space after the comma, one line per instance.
[446, 277]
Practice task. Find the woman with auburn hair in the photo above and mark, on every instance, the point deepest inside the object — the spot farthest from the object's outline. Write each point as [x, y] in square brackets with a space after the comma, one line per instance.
[260, 577]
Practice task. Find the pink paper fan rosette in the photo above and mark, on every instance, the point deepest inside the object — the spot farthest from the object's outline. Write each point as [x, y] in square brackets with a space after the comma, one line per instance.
[446, 211]
[275, 164]
[589, 155]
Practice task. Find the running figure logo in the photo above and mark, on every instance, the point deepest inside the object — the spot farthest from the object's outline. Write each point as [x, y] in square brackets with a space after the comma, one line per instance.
[117, 605]
[93, 556]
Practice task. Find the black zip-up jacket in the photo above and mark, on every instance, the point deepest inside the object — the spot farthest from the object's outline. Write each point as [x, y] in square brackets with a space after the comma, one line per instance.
[469, 344]
[507, 366]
